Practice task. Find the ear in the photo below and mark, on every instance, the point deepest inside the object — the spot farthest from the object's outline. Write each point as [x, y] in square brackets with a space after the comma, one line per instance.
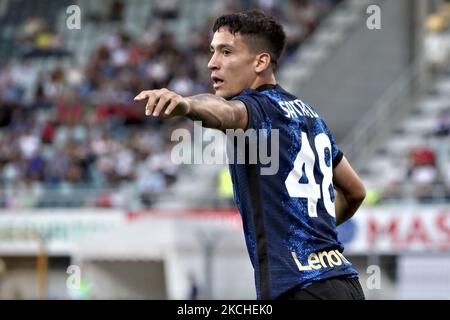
[262, 62]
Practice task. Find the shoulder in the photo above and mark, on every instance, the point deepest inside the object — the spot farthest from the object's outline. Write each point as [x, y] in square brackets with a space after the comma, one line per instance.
[248, 94]
[256, 106]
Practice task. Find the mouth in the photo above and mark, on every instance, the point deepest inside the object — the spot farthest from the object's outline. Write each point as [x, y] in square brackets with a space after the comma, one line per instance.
[217, 82]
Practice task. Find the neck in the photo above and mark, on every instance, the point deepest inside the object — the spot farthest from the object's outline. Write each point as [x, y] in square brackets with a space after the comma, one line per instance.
[259, 81]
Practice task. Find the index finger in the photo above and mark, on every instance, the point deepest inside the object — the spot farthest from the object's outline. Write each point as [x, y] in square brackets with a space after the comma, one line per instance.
[143, 95]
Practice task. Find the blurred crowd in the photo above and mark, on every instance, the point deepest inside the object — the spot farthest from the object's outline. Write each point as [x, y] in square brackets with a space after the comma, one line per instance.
[80, 127]
[423, 172]
[36, 39]
[77, 126]
[437, 36]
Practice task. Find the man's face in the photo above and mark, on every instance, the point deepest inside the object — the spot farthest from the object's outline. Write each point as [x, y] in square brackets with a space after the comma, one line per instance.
[232, 63]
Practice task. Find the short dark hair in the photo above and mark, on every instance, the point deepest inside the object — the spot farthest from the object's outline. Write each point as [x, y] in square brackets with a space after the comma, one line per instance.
[260, 29]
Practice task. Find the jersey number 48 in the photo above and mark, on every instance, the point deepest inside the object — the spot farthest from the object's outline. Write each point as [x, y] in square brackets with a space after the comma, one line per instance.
[306, 161]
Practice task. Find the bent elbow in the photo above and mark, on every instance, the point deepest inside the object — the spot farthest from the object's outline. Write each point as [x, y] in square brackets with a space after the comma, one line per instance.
[359, 195]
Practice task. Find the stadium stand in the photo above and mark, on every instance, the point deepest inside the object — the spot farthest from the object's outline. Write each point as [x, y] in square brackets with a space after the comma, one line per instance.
[70, 134]
[415, 157]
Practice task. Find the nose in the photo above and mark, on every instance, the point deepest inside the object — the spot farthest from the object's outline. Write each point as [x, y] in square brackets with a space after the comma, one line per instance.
[213, 63]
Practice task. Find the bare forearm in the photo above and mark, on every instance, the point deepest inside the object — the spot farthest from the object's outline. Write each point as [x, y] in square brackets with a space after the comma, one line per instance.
[214, 111]
[349, 191]
[345, 208]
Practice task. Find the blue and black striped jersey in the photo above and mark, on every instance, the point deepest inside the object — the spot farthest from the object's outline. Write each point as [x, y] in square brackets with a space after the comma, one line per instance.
[288, 215]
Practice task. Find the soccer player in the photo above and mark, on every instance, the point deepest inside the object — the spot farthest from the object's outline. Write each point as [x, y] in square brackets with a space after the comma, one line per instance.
[289, 217]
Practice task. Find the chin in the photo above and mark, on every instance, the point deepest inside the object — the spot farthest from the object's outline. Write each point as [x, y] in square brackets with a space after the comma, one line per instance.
[220, 93]
[225, 94]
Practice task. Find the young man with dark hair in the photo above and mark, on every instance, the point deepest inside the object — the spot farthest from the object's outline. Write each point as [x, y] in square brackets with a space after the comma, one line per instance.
[289, 217]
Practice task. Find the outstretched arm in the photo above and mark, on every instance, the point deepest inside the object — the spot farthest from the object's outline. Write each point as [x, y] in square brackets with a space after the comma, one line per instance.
[349, 191]
[214, 111]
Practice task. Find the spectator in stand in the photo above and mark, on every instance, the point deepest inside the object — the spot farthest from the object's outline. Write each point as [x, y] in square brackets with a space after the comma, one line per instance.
[166, 9]
[116, 11]
[300, 18]
[443, 123]
[423, 172]
[437, 47]
[394, 179]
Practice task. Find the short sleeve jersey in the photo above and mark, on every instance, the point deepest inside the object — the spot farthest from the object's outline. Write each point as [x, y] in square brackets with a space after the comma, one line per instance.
[288, 212]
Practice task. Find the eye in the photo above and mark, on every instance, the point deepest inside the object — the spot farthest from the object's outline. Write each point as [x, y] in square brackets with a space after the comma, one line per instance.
[226, 52]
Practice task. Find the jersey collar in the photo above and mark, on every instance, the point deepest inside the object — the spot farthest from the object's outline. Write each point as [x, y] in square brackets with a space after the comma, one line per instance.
[265, 87]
